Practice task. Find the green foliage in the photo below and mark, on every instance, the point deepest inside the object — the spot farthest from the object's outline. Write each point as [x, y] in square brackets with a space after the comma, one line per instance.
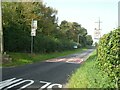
[72, 31]
[96, 44]
[47, 44]
[90, 76]
[17, 17]
[102, 69]
[109, 56]
[89, 40]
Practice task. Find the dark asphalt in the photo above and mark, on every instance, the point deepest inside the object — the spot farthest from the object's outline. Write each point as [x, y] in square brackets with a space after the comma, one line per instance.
[53, 72]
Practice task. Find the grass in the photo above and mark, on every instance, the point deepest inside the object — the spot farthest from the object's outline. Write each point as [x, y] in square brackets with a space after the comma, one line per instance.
[27, 58]
[89, 76]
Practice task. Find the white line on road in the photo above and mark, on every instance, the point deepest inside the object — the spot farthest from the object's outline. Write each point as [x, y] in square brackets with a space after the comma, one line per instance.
[11, 83]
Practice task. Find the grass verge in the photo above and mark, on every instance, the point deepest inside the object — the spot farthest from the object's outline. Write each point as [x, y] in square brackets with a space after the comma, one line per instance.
[27, 58]
[89, 76]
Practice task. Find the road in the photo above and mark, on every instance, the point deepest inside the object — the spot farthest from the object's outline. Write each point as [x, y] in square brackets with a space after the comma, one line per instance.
[53, 73]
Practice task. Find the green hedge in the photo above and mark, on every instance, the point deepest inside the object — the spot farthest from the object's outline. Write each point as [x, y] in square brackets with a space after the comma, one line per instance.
[47, 44]
[109, 56]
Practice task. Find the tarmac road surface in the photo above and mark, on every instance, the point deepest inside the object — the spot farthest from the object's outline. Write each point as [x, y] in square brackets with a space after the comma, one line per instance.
[53, 73]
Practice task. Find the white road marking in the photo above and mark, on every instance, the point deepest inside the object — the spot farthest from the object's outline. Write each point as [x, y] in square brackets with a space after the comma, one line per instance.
[30, 82]
[8, 82]
[11, 83]
[48, 86]
[44, 86]
[52, 85]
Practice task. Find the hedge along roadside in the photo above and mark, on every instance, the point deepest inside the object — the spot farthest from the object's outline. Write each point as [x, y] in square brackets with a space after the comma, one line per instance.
[109, 56]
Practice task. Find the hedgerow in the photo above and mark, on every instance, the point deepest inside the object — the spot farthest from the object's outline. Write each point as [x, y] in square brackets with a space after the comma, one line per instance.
[109, 57]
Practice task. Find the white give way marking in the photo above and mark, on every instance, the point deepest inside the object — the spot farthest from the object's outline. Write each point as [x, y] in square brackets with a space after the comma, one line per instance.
[11, 83]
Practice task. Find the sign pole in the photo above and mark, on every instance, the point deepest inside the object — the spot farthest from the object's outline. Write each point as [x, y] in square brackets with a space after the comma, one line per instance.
[97, 32]
[31, 37]
[33, 33]
[31, 44]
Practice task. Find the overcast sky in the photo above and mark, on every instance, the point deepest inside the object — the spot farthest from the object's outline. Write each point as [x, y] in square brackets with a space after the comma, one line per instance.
[87, 12]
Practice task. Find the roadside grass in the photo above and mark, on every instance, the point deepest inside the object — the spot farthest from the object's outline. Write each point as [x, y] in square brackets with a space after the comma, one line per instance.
[88, 75]
[27, 58]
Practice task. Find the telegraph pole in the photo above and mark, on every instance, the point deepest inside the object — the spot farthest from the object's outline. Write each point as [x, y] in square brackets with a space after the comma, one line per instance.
[99, 24]
[98, 30]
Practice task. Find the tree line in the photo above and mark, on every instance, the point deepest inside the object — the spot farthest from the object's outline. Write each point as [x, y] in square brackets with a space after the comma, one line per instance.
[51, 37]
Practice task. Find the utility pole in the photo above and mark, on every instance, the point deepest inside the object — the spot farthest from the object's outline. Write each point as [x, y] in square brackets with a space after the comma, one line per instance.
[1, 33]
[98, 30]
[99, 24]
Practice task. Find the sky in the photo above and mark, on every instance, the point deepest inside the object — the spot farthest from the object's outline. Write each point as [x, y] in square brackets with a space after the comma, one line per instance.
[87, 12]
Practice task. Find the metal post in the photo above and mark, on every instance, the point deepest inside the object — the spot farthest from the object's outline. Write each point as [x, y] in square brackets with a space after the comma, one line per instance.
[32, 38]
[33, 33]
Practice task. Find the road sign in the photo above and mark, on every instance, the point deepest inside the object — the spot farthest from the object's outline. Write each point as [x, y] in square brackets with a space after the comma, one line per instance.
[33, 32]
[97, 34]
[33, 27]
[34, 24]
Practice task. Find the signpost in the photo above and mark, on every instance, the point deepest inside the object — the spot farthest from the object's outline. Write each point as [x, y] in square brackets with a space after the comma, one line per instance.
[97, 32]
[33, 32]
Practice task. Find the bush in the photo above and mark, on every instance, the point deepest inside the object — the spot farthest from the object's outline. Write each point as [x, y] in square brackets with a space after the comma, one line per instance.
[109, 56]
[47, 44]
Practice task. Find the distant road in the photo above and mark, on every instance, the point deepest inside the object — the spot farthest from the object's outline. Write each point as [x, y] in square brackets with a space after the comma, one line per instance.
[53, 73]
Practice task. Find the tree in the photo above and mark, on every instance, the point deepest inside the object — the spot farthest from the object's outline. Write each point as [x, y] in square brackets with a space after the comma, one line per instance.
[17, 17]
[89, 40]
[71, 31]
[15, 30]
